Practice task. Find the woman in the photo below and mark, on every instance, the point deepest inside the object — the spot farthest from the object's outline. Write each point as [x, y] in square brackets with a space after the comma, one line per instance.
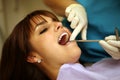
[27, 55]
[36, 48]
[91, 19]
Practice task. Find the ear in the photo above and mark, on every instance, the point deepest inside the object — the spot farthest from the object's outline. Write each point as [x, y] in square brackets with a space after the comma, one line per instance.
[33, 57]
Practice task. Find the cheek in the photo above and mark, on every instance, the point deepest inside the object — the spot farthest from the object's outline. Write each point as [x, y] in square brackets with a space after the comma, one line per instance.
[67, 55]
[46, 44]
[38, 43]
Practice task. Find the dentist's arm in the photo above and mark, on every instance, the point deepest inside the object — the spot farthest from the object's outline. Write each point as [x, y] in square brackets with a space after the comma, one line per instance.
[111, 46]
[75, 13]
[59, 6]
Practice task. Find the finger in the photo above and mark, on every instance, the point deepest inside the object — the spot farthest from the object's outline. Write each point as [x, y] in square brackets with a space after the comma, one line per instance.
[71, 16]
[114, 43]
[107, 46]
[113, 54]
[76, 31]
[84, 33]
[74, 22]
[67, 11]
[74, 34]
[112, 37]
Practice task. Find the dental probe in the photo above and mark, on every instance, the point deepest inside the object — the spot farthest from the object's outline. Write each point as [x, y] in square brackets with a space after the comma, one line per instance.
[117, 35]
[86, 40]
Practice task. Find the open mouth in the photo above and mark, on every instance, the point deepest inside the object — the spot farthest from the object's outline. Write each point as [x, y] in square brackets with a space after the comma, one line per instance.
[64, 38]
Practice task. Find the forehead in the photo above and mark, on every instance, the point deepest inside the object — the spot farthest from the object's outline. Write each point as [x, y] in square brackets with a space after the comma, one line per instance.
[39, 19]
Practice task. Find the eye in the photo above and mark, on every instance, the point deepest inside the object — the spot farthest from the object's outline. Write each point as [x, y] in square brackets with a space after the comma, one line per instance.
[44, 30]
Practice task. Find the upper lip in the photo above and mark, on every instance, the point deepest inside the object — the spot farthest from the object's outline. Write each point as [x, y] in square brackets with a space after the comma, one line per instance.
[64, 34]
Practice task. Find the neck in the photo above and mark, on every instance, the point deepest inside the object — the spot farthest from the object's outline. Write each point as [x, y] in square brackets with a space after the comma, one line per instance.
[50, 70]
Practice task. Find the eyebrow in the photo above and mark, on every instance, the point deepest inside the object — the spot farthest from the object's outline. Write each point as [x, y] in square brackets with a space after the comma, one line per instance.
[41, 23]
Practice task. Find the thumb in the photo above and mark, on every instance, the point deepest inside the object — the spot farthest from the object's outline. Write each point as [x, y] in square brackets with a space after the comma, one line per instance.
[67, 11]
[84, 33]
[75, 32]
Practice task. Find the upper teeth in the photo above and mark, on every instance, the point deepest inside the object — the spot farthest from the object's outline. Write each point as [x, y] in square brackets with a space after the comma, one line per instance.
[62, 35]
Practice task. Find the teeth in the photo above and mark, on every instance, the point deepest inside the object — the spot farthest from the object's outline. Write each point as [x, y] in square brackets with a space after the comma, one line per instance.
[62, 35]
[63, 39]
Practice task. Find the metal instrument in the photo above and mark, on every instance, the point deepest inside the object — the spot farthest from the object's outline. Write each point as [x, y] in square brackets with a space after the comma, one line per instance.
[116, 33]
[86, 40]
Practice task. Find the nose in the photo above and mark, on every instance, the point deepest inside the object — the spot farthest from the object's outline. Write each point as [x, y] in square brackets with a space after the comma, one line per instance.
[58, 25]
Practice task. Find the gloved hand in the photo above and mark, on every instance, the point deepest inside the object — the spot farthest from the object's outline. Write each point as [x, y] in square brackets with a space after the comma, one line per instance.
[111, 46]
[76, 14]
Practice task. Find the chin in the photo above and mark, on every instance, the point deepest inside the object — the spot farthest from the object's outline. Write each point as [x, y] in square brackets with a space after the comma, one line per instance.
[76, 55]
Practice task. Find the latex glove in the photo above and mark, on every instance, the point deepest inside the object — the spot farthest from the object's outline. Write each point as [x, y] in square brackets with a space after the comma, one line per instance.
[111, 46]
[76, 14]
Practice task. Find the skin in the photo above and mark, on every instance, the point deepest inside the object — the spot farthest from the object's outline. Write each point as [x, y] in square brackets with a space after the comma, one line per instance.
[45, 46]
[59, 6]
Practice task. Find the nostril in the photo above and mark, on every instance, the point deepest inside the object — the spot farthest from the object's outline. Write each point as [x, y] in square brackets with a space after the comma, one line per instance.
[58, 27]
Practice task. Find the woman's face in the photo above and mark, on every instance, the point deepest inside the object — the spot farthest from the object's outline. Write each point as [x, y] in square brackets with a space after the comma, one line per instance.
[51, 41]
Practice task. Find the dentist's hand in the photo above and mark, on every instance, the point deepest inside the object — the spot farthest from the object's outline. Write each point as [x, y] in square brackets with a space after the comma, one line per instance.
[111, 46]
[76, 14]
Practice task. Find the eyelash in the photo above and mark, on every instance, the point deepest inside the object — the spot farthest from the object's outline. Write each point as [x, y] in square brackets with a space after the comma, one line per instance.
[44, 30]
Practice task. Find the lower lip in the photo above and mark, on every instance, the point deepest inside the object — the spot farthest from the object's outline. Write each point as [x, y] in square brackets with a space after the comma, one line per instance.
[70, 43]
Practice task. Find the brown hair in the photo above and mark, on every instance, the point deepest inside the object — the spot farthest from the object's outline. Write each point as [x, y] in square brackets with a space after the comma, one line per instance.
[13, 65]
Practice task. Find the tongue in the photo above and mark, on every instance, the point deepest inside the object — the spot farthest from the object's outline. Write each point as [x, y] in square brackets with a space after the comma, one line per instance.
[63, 40]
